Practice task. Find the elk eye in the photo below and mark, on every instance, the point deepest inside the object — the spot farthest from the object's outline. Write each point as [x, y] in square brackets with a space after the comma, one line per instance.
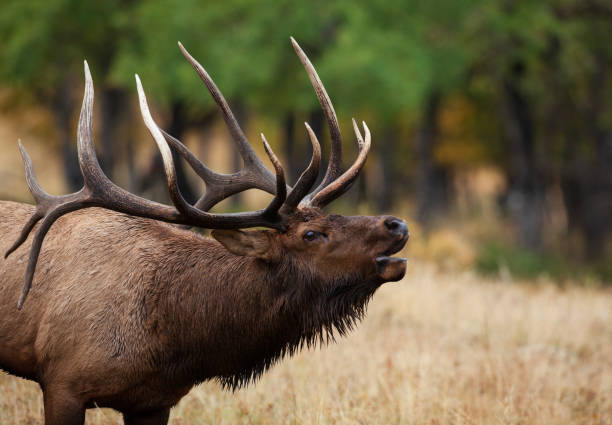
[310, 236]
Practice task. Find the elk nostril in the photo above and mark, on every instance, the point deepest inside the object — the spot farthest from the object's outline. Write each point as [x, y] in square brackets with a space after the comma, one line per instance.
[396, 226]
[392, 223]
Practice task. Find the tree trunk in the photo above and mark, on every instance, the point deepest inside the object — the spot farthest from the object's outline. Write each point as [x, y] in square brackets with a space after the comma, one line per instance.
[597, 178]
[113, 106]
[63, 107]
[434, 179]
[384, 193]
[290, 148]
[297, 147]
[177, 127]
[586, 181]
[526, 193]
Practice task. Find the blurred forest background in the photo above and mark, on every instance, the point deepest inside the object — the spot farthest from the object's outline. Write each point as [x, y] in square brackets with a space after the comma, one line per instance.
[491, 120]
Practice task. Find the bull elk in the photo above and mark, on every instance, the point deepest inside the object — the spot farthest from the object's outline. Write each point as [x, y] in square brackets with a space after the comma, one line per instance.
[130, 311]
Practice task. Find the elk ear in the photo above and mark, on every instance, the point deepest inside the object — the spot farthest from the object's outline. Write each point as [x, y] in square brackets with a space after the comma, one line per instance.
[257, 243]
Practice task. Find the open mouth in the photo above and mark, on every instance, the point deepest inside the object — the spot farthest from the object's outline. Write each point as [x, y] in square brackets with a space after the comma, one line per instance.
[389, 268]
[396, 246]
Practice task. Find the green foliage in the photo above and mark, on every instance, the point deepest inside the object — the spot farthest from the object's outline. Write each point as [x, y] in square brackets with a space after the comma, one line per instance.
[43, 41]
[392, 54]
[243, 45]
[381, 60]
[495, 257]
[385, 56]
[521, 263]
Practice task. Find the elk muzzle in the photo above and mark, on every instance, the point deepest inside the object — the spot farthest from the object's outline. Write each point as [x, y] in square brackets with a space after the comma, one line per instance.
[391, 269]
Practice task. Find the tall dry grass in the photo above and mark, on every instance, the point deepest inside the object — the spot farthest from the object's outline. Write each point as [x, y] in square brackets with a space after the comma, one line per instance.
[436, 348]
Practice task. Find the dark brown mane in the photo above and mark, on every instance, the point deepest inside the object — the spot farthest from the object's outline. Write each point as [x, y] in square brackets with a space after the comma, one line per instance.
[314, 312]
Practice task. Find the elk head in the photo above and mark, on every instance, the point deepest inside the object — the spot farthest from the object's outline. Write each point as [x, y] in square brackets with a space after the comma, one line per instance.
[327, 246]
[301, 235]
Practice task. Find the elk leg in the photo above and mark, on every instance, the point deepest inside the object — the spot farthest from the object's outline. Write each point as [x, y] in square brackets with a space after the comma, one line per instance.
[158, 417]
[62, 408]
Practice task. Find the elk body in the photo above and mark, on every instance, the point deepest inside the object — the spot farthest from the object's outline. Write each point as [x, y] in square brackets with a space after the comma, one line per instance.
[129, 311]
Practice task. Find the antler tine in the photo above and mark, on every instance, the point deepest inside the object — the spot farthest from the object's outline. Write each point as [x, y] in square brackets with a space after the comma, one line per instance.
[50, 208]
[343, 183]
[281, 187]
[334, 167]
[251, 161]
[39, 195]
[309, 176]
[164, 150]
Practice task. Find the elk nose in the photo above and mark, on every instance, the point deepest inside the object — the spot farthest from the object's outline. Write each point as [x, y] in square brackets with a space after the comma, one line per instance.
[397, 227]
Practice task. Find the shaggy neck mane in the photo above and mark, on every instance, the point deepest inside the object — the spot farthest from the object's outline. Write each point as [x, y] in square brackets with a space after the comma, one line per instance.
[310, 311]
[273, 310]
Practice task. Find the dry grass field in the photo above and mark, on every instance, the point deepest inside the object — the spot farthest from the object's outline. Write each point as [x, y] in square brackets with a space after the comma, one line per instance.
[436, 348]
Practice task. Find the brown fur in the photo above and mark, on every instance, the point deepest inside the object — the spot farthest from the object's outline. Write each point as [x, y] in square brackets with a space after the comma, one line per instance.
[130, 313]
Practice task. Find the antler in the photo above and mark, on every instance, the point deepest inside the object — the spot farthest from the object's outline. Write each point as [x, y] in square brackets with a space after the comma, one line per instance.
[344, 182]
[254, 175]
[99, 191]
[334, 183]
